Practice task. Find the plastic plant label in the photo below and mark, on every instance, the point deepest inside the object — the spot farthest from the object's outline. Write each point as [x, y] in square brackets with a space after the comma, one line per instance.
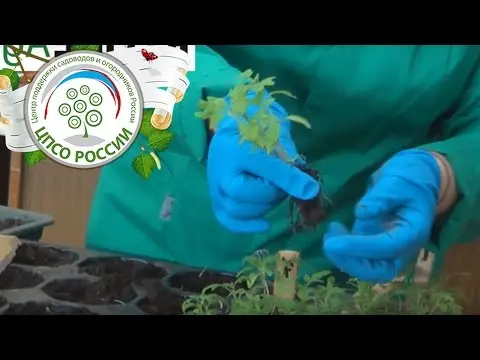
[285, 283]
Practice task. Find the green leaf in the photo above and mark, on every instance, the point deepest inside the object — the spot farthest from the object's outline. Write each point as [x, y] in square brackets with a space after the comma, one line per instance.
[250, 132]
[258, 98]
[270, 81]
[160, 140]
[212, 288]
[34, 157]
[319, 276]
[243, 130]
[299, 120]
[268, 101]
[303, 294]
[247, 73]
[238, 93]
[146, 127]
[144, 165]
[200, 115]
[239, 106]
[283, 92]
[251, 280]
[85, 47]
[215, 118]
[273, 132]
[257, 88]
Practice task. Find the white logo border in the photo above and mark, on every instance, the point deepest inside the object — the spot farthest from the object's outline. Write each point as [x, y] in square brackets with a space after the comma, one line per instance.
[117, 62]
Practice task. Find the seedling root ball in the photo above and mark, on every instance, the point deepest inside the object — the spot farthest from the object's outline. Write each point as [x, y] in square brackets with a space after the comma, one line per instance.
[306, 214]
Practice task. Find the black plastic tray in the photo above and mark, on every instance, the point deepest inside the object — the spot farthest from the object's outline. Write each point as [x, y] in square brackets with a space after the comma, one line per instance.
[37, 268]
[32, 223]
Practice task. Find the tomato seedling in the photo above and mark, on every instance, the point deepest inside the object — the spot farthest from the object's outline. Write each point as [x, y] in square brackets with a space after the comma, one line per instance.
[263, 130]
[251, 293]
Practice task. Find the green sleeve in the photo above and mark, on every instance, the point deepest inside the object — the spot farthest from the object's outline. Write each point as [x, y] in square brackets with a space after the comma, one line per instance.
[461, 146]
[213, 76]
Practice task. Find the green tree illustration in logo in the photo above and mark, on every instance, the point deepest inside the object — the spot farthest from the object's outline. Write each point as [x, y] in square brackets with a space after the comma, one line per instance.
[80, 115]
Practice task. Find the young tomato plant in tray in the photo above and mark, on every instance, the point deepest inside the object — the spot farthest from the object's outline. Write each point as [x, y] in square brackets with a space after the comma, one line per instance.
[317, 294]
[262, 129]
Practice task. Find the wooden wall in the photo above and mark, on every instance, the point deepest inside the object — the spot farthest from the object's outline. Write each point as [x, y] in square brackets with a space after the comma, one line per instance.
[64, 193]
[462, 268]
[4, 171]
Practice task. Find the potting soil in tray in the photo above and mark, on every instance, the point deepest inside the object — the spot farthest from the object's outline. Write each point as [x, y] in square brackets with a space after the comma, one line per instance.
[50, 280]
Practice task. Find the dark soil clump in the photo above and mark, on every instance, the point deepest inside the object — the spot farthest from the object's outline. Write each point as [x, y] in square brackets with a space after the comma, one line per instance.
[196, 281]
[114, 286]
[6, 224]
[305, 214]
[37, 255]
[106, 291]
[33, 308]
[160, 300]
[135, 270]
[16, 278]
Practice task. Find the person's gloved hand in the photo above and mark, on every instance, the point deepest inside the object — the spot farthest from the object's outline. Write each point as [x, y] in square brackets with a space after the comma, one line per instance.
[245, 182]
[393, 219]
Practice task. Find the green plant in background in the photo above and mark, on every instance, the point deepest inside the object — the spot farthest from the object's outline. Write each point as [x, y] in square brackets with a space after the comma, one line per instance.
[317, 294]
[263, 128]
[154, 140]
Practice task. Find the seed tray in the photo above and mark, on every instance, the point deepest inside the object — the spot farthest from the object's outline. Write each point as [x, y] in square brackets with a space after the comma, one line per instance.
[22, 223]
[45, 279]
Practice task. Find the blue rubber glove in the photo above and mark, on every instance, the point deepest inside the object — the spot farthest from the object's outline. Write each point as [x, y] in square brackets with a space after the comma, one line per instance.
[393, 219]
[245, 183]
